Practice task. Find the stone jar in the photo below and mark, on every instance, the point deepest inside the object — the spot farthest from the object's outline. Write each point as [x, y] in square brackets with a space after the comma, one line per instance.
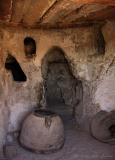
[42, 132]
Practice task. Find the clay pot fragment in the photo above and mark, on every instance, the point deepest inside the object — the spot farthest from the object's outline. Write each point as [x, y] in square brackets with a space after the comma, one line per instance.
[103, 126]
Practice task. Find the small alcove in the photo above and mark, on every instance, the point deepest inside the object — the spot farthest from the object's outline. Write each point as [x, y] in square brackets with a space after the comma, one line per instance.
[100, 41]
[62, 91]
[29, 47]
[12, 65]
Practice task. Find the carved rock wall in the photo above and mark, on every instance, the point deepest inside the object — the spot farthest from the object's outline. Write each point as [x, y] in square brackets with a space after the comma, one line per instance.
[87, 65]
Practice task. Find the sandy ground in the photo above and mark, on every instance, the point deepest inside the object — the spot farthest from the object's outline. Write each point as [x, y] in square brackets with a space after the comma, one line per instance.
[78, 145]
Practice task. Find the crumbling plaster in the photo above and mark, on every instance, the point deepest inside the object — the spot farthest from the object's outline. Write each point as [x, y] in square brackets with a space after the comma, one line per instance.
[17, 99]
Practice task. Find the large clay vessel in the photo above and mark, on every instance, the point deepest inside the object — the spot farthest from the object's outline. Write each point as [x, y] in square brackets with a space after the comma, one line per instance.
[42, 132]
[103, 126]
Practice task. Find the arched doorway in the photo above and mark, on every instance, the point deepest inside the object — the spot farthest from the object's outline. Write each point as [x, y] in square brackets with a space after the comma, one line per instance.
[63, 91]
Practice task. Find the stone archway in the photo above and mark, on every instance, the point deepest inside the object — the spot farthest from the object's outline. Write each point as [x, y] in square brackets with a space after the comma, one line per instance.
[62, 91]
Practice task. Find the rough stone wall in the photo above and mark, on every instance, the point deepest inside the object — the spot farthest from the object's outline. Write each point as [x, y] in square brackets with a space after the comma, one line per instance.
[105, 93]
[79, 45]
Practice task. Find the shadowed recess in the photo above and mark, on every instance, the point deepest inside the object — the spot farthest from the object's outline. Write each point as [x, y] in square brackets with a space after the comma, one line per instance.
[17, 72]
[100, 42]
[29, 47]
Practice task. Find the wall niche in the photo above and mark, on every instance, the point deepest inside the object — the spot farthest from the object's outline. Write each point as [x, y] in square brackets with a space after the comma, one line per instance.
[12, 65]
[100, 41]
[29, 47]
[61, 88]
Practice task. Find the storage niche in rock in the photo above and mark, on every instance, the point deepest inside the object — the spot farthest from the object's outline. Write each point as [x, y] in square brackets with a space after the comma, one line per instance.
[29, 47]
[42, 132]
[13, 65]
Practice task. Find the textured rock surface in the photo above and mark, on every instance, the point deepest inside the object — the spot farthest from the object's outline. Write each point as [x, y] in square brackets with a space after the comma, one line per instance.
[105, 94]
[55, 13]
[87, 65]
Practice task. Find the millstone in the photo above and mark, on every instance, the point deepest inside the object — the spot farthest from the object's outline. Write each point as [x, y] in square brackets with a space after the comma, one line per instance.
[42, 132]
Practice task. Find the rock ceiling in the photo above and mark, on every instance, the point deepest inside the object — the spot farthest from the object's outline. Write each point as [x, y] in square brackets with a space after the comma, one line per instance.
[55, 13]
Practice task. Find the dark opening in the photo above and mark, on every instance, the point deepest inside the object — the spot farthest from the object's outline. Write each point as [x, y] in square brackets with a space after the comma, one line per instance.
[62, 91]
[29, 47]
[44, 112]
[100, 41]
[17, 72]
[112, 130]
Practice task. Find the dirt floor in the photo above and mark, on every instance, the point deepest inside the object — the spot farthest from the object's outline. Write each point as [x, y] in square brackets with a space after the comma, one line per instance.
[78, 145]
